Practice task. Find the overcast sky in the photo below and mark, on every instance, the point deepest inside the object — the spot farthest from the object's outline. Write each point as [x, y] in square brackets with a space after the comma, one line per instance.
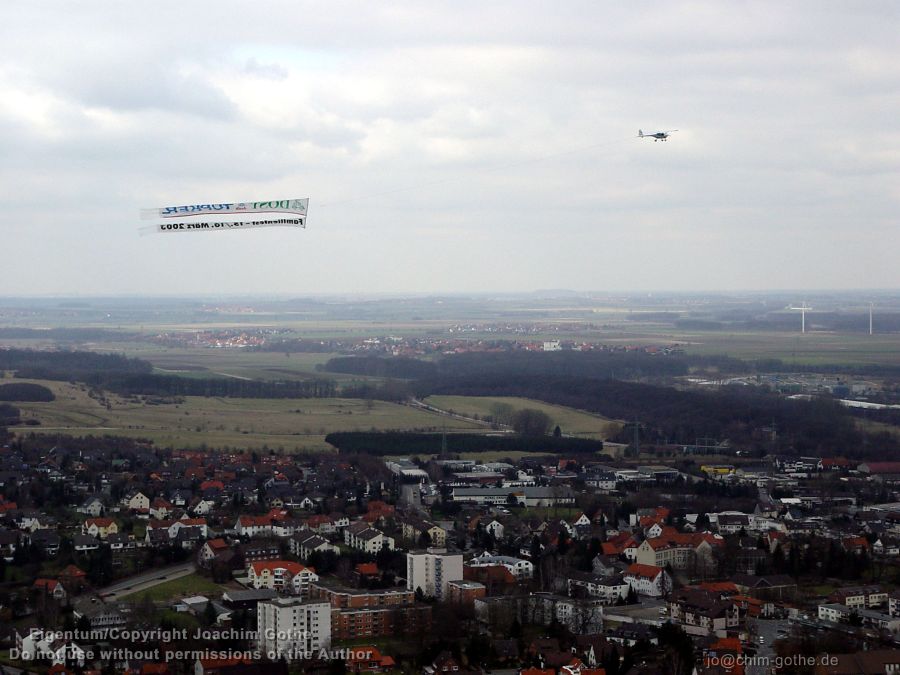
[454, 146]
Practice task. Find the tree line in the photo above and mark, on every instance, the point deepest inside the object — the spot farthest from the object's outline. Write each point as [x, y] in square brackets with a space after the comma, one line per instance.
[227, 387]
[9, 416]
[738, 414]
[25, 391]
[88, 367]
[402, 443]
[615, 365]
[130, 376]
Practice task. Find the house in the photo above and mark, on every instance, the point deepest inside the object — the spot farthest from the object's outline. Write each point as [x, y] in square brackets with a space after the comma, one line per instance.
[856, 544]
[519, 568]
[36, 644]
[136, 501]
[281, 575]
[860, 597]
[648, 580]
[51, 587]
[414, 529]
[304, 544]
[85, 542]
[9, 540]
[161, 508]
[254, 526]
[770, 587]
[629, 635]
[260, 549]
[368, 659]
[92, 506]
[495, 528]
[122, 542]
[46, 540]
[680, 550]
[362, 536]
[702, 612]
[199, 530]
[99, 527]
[321, 524]
[610, 589]
[73, 578]
[203, 507]
[100, 614]
[887, 547]
[210, 550]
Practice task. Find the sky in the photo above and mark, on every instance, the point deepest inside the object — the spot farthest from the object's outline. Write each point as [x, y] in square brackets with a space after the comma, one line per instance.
[451, 146]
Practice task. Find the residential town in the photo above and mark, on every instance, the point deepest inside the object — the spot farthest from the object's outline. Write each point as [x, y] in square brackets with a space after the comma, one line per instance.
[537, 565]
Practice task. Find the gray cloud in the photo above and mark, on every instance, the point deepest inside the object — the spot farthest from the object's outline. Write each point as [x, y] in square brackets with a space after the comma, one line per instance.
[454, 146]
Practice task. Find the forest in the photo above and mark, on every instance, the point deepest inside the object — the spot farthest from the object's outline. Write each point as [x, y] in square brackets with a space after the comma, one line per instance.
[666, 414]
[9, 416]
[76, 366]
[173, 385]
[25, 392]
[400, 443]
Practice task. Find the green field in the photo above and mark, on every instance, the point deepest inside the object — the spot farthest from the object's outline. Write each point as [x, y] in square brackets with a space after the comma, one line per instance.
[291, 424]
[813, 348]
[240, 363]
[571, 422]
[192, 584]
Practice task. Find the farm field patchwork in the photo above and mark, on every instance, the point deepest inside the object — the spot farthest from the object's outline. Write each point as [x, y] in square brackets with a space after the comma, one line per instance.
[291, 424]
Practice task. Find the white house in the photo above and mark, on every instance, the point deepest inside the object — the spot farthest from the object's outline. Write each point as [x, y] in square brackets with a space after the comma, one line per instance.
[281, 575]
[136, 501]
[520, 569]
[648, 580]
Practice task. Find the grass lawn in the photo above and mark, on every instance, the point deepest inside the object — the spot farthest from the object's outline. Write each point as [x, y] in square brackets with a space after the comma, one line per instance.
[22, 665]
[820, 589]
[291, 424]
[544, 512]
[572, 422]
[180, 620]
[192, 584]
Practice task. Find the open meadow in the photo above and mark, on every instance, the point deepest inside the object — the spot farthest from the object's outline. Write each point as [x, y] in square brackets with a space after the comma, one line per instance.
[291, 424]
[571, 422]
[815, 348]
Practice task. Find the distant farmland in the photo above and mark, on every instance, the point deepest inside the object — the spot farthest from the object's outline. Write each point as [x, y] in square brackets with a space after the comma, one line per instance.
[291, 424]
[572, 422]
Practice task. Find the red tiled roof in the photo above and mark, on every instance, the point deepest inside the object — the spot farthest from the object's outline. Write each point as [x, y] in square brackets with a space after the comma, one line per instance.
[72, 571]
[719, 586]
[883, 467]
[292, 568]
[99, 522]
[367, 568]
[645, 571]
[154, 669]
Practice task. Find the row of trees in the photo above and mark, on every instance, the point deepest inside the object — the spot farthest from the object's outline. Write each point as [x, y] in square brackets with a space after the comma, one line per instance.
[25, 391]
[172, 385]
[679, 416]
[89, 367]
[402, 443]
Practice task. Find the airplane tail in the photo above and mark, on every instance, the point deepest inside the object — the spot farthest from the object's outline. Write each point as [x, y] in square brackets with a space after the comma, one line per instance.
[640, 134]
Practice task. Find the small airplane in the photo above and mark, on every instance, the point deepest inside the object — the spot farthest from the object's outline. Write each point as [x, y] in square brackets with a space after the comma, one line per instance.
[657, 135]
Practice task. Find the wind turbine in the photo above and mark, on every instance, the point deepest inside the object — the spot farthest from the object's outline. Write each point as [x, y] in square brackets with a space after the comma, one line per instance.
[871, 307]
[803, 309]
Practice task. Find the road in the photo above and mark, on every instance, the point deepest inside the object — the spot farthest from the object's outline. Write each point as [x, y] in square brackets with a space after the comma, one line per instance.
[141, 582]
[416, 403]
[768, 630]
